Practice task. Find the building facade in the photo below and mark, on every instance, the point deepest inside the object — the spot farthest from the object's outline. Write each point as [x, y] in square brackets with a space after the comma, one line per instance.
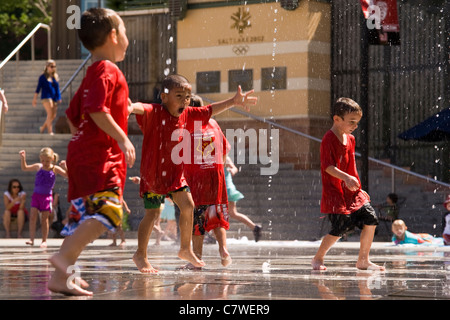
[283, 53]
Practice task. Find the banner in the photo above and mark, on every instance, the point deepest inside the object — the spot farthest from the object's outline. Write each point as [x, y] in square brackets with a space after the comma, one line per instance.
[382, 21]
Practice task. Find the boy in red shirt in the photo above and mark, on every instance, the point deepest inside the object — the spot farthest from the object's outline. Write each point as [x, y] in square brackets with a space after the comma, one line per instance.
[206, 178]
[164, 127]
[343, 200]
[100, 149]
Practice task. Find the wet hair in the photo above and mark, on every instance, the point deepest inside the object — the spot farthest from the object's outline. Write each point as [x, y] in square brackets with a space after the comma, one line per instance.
[11, 183]
[344, 106]
[393, 197]
[48, 152]
[196, 101]
[174, 81]
[399, 223]
[95, 26]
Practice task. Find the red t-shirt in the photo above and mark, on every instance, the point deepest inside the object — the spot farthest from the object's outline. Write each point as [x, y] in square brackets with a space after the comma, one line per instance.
[336, 198]
[94, 159]
[163, 136]
[205, 172]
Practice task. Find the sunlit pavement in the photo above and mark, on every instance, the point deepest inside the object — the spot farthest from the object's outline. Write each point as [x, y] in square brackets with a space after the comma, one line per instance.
[265, 270]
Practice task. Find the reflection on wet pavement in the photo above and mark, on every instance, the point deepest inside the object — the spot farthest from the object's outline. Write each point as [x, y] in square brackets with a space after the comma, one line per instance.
[260, 271]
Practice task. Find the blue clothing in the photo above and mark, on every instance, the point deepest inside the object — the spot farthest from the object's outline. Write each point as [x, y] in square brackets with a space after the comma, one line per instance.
[418, 238]
[50, 89]
[233, 194]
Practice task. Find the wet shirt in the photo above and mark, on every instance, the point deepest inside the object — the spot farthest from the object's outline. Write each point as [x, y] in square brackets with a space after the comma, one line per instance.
[336, 198]
[163, 150]
[205, 171]
[95, 161]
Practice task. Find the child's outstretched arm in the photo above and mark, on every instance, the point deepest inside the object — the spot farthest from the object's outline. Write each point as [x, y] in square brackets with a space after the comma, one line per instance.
[23, 163]
[240, 99]
[106, 122]
[136, 108]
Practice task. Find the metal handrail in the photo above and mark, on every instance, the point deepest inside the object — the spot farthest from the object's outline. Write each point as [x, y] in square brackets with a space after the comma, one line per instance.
[15, 52]
[75, 74]
[31, 34]
[380, 162]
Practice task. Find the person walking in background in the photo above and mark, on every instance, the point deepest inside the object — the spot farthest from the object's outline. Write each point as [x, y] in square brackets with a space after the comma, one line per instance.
[42, 197]
[234, 196]
[14, 200]
[48, 85]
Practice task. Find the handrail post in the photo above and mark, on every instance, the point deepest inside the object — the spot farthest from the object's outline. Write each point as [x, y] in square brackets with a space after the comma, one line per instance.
[49, 43]
[32, 49]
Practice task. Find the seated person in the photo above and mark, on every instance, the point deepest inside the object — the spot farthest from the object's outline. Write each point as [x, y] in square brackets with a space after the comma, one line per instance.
[14, 200]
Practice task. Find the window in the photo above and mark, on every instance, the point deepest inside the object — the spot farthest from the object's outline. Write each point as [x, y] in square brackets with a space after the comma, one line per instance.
[244, 78]
[273, 78]
[208, 82]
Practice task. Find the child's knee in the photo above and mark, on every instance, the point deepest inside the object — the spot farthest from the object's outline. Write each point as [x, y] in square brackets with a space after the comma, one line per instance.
[152, 214]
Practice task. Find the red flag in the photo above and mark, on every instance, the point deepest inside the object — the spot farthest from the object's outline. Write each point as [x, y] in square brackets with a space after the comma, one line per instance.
[382, 20]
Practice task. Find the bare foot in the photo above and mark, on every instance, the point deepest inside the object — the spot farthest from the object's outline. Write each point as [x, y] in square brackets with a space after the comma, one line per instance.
[189, 256]
[226, 260]
[317, 264]
[368, 265]
[189, 266]
[58, 283]
[142, 264]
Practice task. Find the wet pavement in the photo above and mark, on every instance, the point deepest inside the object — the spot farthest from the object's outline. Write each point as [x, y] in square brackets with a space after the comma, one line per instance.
[267, 270]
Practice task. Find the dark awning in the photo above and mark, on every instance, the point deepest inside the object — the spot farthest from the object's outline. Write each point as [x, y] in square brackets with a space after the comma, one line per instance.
[435, 128]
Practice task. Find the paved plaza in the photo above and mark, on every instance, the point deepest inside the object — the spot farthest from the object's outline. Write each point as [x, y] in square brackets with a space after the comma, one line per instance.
[267, 270]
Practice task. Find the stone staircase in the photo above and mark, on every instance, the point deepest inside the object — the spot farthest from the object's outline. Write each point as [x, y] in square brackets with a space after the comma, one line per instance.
[19, 83]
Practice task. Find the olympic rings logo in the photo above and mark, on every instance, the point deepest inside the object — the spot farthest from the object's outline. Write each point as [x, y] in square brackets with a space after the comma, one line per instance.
[241, 50]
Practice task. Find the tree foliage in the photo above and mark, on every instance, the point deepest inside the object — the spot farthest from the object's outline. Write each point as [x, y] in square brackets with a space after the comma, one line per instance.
[18, 18]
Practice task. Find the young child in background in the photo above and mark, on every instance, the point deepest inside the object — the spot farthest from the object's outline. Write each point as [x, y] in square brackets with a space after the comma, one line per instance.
[205, 176]
[99, 150]
[343, 200]
[164, 126]
[403, 236]
[41, 200]
[234, 196]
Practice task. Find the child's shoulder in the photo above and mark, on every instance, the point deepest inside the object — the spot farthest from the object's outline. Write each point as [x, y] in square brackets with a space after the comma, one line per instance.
[329, 135]
[104, 67]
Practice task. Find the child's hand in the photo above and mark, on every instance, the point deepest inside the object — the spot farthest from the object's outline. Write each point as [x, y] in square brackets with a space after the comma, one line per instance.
[63, 164]
[135, 180]
[244, 99]
[130, 154]
[23, 154]
[352, 183]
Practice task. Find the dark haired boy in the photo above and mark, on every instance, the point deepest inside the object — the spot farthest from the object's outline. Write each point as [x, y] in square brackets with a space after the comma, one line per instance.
[345, 203]
[99, 150]
[163, 127]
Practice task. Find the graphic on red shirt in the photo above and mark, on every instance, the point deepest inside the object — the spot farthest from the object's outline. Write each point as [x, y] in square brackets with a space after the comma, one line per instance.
[336, 198]
[205, 176]
[95, 161]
